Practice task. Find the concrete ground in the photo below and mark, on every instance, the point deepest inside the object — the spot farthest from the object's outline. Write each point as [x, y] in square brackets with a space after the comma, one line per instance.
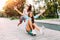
[10, 31]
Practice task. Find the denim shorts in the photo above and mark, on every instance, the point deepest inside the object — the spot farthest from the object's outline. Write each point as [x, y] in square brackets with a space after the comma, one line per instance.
[22, 18]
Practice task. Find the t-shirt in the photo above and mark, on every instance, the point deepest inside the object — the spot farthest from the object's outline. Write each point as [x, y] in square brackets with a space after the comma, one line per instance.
[25, 12]
[28, 18]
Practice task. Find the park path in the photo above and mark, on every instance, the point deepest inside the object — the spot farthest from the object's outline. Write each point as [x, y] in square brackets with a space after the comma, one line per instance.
[10, 31]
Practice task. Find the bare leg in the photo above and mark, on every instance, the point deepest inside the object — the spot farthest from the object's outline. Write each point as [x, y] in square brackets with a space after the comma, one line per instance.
[29, 26]
[36, 27]
[19, 23]
[21, 20]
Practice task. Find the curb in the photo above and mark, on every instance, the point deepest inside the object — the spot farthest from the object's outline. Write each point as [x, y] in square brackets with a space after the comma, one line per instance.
[48, 21]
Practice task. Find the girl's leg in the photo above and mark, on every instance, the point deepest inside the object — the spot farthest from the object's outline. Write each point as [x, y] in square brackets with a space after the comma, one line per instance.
[19, 23]
[36, 27]
[21, 20]
[32, 27]
[30, 24]
[28, 28]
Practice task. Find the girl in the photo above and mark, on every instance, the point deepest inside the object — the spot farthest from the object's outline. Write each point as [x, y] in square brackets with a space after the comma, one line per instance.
[22, 18]
[31, 26]
[30, 20]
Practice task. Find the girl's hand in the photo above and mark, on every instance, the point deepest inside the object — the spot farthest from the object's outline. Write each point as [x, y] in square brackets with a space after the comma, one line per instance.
[15, 8]
[42, 11]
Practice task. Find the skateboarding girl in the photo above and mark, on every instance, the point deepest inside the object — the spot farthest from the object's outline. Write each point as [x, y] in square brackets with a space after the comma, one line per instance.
[22, 18]
[30, 25]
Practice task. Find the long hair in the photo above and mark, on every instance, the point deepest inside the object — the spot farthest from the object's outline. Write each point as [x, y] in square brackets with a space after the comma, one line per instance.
[32, 18]
[29, 8]
[29, 11]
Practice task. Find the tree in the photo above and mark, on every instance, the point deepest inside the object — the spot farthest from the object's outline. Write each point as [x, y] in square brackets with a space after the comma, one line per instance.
[9, 7]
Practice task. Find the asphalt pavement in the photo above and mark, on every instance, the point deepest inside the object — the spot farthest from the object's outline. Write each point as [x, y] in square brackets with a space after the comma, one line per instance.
[10, 31]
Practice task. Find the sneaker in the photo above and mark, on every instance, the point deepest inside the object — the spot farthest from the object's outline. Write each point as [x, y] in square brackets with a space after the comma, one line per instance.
[42, 30]
[34, 32]
[31, 33]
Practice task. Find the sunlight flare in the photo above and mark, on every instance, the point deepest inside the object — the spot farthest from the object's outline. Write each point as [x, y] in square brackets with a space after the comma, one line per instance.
[2, 4]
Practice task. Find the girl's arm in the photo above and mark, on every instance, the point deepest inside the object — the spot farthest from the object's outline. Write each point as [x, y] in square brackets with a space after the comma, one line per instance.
[15, 8]
[39, 14]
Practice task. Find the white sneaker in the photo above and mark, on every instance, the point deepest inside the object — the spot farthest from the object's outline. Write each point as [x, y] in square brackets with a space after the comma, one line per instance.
[34, 32]
[42, 30]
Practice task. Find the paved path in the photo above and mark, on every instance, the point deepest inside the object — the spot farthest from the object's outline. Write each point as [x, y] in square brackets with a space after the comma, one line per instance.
[10, 31]
[50, 21]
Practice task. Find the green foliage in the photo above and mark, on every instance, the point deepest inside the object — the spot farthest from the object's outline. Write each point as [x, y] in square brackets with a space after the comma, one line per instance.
[9, 9]
[51, 11]
[1, 14]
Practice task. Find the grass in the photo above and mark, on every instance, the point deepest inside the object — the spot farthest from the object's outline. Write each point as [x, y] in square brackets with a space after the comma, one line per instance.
[13, 18]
